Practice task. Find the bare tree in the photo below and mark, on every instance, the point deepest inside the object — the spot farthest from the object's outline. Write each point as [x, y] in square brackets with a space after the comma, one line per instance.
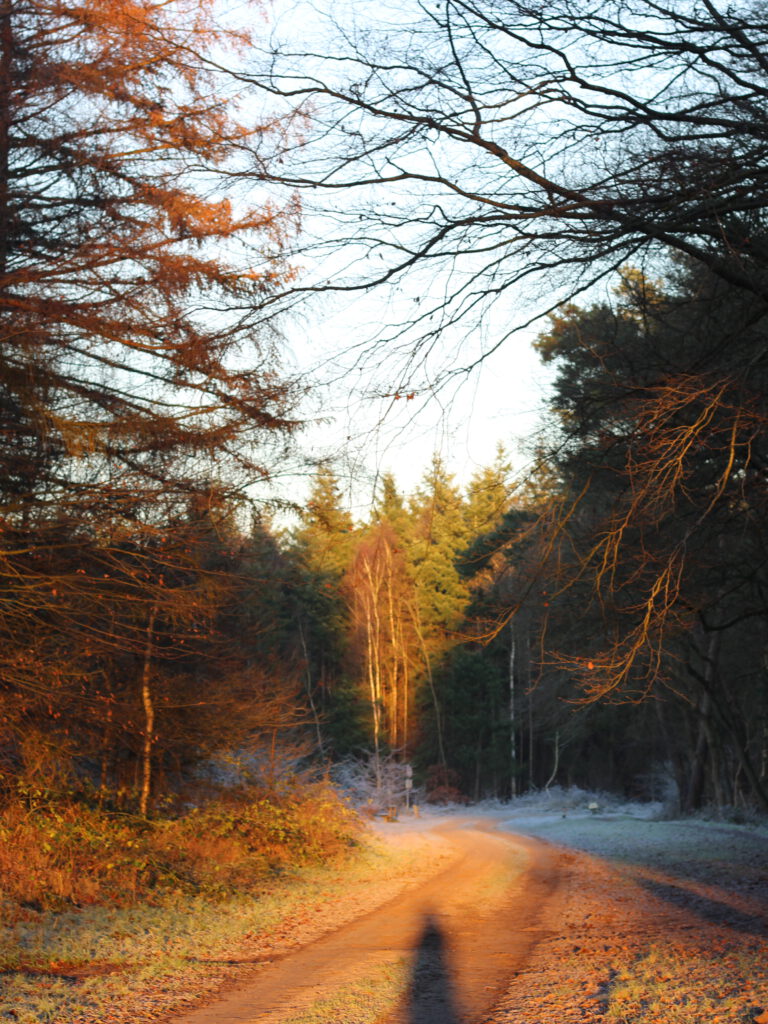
[505, 147]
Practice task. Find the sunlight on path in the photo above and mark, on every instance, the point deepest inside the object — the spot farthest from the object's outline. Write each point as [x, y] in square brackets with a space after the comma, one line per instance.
[439, 955]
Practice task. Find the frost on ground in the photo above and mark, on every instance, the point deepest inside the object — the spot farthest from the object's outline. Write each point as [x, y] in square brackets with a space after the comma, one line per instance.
[652, 922]
[660, 922]
[135, 965]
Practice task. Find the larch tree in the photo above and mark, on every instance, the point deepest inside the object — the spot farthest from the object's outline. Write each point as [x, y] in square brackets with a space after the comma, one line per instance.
[134, 365]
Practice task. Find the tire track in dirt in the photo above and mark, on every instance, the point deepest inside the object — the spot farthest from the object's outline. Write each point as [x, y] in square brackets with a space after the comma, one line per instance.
[463, 933]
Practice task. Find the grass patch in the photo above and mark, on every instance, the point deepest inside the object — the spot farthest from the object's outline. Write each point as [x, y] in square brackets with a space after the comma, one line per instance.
[692, 849]
[680, 983]
[63, 855]
[160, 952]
[109, 915]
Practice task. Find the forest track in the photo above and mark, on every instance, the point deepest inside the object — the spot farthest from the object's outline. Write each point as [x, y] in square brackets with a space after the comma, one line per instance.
[461, 934]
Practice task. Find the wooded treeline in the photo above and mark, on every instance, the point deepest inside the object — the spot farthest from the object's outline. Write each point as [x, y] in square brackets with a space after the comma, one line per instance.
[140, 392]
[524, 156]
[455, 630]
[601, 623]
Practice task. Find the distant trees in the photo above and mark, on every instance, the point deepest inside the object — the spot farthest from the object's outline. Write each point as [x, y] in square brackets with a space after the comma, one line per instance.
[516, 146]
[520, 634]
[661, 458]
[528, 152]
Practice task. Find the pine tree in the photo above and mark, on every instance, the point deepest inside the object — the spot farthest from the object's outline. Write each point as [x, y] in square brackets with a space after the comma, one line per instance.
[325, 538]
[489, 495]
[440, 532]
[321, 552]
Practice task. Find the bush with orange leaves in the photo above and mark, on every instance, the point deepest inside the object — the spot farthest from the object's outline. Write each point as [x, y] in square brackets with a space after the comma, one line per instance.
[54, 856]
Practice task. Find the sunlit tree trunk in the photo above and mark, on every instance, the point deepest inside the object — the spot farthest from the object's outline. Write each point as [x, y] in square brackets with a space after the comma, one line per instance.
[149, 713]
[406, 691]
[394, 673]
[432, 690]
[373, 630]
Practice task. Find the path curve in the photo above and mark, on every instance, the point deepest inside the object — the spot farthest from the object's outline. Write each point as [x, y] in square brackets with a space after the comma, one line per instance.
[465, 932]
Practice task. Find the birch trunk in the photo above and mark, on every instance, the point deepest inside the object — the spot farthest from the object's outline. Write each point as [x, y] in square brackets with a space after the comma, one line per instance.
[512, 712]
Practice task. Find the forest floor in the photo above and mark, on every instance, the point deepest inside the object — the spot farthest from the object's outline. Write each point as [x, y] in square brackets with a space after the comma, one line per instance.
[656, 922]
[526, 914]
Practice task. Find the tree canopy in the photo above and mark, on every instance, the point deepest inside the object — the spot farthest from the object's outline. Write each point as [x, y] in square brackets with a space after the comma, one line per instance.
[140, 391]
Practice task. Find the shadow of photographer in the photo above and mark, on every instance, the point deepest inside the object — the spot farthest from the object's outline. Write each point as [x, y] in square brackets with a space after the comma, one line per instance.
[431, 997]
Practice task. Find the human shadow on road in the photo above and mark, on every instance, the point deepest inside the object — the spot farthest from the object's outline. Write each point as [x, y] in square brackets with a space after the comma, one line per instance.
[431, 997]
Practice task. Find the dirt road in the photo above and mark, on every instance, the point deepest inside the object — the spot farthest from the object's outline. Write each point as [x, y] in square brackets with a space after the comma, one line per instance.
[460, 936]
[503, 929]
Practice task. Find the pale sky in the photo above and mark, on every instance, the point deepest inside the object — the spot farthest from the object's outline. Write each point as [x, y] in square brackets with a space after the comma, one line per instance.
[500, 401]
[369, 429]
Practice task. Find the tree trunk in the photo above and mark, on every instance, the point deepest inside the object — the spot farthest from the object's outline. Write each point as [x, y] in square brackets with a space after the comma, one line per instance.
[729, 724]
[6, 92]
[373, 631]
[430, 680]
[512, 713]
[692, 798]
[478, 765]
[308, 686]
[149, 714]
[406, 695]
[556, 764]
[394, 676]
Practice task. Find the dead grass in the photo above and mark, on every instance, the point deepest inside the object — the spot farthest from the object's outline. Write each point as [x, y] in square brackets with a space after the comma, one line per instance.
[684, 981]
[669, 926]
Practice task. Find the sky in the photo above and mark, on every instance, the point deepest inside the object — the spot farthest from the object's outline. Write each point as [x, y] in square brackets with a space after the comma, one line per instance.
[501, 401]
[360, 410]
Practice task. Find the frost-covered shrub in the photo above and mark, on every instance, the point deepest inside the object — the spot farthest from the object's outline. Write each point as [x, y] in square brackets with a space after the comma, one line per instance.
[376, 783]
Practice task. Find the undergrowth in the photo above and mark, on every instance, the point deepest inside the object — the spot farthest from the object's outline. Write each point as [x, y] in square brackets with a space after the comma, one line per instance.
[61, 855]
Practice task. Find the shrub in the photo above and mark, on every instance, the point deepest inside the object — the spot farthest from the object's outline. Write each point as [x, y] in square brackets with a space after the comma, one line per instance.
[72, 854]
[443, 786]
